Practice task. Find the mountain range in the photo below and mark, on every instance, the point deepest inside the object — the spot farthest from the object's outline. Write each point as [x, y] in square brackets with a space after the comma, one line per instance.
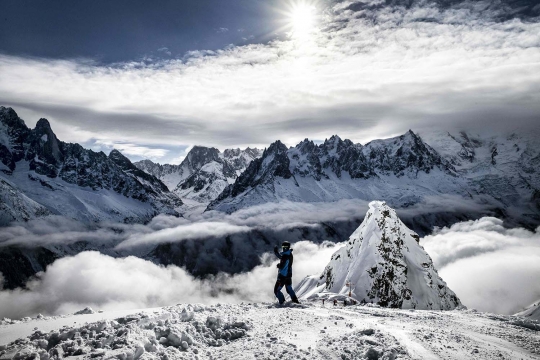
[41, 175]
[429, 178]
[203, 174]
[460, 175]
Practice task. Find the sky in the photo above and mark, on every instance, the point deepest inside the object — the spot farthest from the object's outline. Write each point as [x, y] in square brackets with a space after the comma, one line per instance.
[152, 79]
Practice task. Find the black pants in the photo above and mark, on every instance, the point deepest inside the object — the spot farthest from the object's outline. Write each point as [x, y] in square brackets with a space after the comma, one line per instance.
[287, 282]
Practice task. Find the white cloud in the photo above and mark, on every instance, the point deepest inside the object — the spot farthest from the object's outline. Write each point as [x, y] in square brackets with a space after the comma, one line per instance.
[490, 268]
[103, 282]
[364, 74]
[199, 230]
[133, 149]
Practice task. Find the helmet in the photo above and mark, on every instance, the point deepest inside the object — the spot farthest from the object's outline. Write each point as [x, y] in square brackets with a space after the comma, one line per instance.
[286, 244]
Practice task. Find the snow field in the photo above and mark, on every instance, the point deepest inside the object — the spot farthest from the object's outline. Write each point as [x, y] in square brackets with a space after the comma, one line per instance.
[268, 331]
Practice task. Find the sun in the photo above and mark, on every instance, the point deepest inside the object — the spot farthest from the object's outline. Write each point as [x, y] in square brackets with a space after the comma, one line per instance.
[302, 19]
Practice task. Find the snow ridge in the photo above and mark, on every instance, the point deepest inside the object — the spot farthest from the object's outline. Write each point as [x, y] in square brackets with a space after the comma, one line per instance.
[383, 263]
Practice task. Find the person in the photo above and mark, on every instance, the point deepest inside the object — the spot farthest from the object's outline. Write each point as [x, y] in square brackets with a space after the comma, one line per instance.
[284, 277]
[335, 302]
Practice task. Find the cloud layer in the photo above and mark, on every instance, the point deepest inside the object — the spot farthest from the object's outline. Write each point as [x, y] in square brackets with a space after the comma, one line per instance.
[490, 268]
[103, 282]
[368, 72]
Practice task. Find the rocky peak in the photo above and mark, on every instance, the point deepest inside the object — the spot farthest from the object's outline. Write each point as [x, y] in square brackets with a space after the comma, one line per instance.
[12, 143]
[9, 117]
[229, 153]
[43, 125]
[306, 146]
[119, 159]
[405, 154]
[253, 153]
[198, 156]
[44, 151]
[386, 265]
[277, 147]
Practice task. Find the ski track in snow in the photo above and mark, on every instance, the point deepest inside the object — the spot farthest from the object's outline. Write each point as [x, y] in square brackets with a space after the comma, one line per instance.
[266, 331]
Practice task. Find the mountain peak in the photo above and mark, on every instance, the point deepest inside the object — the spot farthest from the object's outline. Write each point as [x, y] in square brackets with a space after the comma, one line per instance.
[119, 159]
[276, 147]
[386, 265]
[43, 124]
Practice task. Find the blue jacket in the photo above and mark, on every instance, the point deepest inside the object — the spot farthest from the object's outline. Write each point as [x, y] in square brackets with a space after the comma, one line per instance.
[285, 265]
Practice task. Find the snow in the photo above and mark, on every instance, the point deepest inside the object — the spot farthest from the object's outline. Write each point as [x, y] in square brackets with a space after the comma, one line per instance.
[383, 263]
[531, 312]
[62, 198]
[267, 331]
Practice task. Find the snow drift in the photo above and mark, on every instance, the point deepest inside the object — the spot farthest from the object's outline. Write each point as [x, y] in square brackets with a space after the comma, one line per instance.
[383, 263]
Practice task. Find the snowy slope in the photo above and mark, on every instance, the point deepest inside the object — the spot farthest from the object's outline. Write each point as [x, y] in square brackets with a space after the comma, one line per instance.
[505, 166]
[532, 312]
[16, 206]
[42, 175]
[262, 330]
[385, 265]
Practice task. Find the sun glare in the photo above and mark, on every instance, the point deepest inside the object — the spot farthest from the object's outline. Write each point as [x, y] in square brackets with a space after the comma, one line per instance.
[303, 18]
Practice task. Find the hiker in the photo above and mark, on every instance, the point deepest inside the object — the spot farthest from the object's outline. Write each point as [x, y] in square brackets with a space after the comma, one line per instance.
[322, 302]
[284, 277]
[335, 302]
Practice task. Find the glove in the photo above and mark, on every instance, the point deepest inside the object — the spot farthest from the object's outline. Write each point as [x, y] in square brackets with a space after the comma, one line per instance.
[275, 249]
[277, 265]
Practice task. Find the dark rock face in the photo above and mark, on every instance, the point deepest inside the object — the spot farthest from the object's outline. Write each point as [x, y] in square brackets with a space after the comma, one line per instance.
[18, 265]
[273, 163]
[48, 156]
[16, 132]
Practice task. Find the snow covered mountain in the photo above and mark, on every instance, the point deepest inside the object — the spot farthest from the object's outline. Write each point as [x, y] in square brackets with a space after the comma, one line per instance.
[203, 174]
[402, 170]
[40, 175]
[498, 175]
[505, 167]
[383, 263]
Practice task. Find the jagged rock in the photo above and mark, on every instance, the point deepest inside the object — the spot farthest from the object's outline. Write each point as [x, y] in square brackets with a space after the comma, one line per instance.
[383, 263]
[57, 173]
[204, 173]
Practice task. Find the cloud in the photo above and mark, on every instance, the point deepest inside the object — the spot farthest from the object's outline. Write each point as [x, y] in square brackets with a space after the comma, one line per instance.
[370, 71]
[179, 233]
[222, 30]
[270, 217]
[103, 282]
[133, 150]
[491, 268]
